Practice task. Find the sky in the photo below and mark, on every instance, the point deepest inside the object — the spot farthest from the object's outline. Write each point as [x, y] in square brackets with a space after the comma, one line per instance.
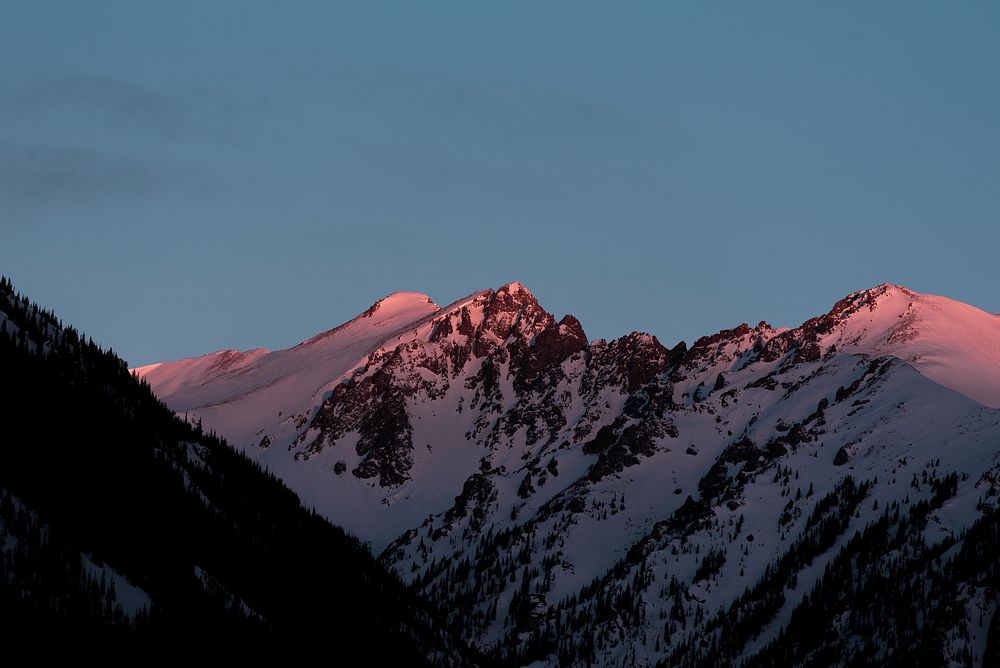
[182, 177]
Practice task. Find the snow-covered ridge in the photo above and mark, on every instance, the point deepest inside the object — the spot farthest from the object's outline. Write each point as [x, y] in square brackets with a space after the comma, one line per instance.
[392, 311]
[952, 343]
[239, 393]
[229, 389]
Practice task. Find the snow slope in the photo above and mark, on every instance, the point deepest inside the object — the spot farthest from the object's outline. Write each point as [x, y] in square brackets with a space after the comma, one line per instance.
[951, 343]
[239, 393]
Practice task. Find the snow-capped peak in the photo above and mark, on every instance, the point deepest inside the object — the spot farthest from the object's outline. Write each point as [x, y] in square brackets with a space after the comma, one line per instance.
[515, 293]
[950, 342]
[514, 287]
[233, 387]
[386, 315]
[400, 302]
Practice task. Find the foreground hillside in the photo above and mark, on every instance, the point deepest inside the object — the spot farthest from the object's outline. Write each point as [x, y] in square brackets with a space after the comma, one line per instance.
[822, 494]
[117, 517]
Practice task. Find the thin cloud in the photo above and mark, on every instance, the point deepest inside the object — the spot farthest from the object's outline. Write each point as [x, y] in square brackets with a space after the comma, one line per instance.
[36, 176]
[495, 109]
[118, 106]
[40, 94]
[79, 140]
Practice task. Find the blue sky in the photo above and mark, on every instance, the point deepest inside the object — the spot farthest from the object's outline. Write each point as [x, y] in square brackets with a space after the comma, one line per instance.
[180, 177]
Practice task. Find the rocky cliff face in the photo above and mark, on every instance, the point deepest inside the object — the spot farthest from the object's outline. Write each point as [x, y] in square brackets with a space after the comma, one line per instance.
[613, 502]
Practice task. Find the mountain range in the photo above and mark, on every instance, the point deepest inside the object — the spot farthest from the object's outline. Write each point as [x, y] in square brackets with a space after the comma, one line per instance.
[818, 495]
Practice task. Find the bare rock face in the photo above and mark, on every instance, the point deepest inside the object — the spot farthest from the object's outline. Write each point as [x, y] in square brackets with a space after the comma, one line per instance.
[513, 309]
[520, 369]
[551, 346]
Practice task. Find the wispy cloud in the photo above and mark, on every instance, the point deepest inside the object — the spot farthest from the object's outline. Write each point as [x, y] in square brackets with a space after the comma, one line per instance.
[490, 108]
[124, 106]
[68, 140]
[38, 177]
[40, 94]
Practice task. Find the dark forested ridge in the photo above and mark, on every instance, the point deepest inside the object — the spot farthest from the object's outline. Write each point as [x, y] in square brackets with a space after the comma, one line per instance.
[118, 517]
